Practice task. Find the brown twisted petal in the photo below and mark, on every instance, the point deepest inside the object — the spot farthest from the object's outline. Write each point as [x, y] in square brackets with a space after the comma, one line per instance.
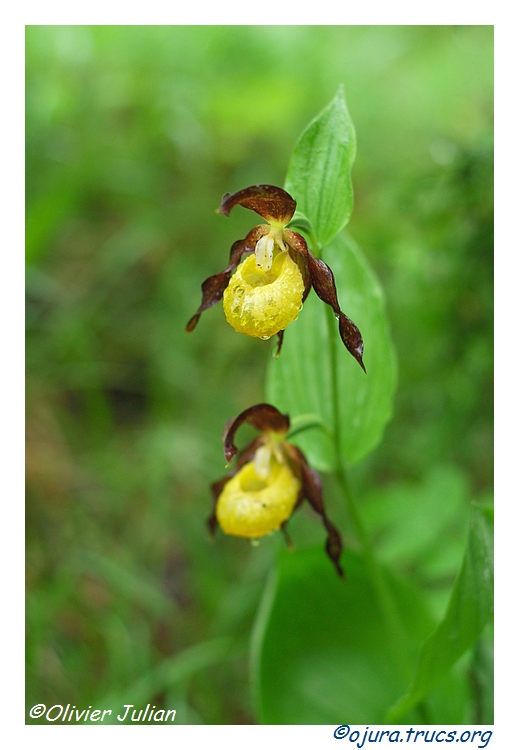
[323, 282]
[299, 253]
[214, 287]
[262, 416]
[312, 490]
[246, 455]
[272, 203]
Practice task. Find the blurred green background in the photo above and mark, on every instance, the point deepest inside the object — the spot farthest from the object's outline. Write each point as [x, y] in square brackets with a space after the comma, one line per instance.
[133, 135]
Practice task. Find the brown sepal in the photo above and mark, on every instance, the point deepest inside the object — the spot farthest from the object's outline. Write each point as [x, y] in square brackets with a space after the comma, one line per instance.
[214, 287]
[313, 492]
[270, 202]
[262, 416]
[323, 282]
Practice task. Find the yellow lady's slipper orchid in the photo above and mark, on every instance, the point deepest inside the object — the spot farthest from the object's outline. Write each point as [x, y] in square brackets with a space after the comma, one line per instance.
[262, 302]
[271, 480]
[265, 292]
[251, 505]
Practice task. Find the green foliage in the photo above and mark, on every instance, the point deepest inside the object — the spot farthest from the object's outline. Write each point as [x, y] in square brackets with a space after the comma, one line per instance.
[470, 608]
[319, 174]
[322, 653]
[396, 519]
[301, 381]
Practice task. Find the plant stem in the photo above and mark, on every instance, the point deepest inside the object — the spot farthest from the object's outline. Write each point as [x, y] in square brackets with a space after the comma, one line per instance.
[380, 583]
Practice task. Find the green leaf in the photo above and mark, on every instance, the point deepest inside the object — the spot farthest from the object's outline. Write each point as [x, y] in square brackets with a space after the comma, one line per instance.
[321, 654]
[319, 170]
[416, 523]
[300, 381]
[469, 610]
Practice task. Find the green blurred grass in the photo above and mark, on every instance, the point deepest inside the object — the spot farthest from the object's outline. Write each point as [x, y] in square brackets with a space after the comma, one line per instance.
[133, 134]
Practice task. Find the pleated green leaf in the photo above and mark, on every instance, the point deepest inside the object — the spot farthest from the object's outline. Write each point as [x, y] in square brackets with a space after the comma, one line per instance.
[319, 173]
[469, 610]
[300, 381]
